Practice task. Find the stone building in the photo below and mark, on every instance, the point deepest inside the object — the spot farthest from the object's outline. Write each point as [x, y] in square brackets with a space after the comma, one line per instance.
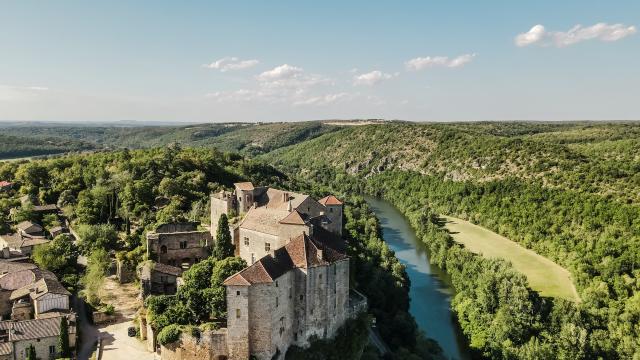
[272, 217]
[16, 336]
[179, 245]
[19, 245]
[159, 279]
[285, 299]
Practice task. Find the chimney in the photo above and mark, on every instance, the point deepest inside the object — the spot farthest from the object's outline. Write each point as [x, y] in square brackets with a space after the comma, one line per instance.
[289, 207]
[285, 196]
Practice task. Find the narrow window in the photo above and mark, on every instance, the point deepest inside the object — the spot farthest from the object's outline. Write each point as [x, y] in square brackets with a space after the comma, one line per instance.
[330, 209]
[290, 293]
[277, 301]
[246, 241]
[52, 350]
[238, 293]
[237, 313]
[267, 247]
[276, 283]
[300, 297]
[320, 276]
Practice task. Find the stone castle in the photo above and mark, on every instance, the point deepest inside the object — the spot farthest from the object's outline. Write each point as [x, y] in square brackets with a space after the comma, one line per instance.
[296, 285]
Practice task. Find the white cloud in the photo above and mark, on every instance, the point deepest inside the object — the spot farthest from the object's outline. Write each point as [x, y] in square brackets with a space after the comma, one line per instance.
[371, 78]
[324, 99]
[231, 63]
[538, 35]
[288, 76]
[20, 93]
[420, 63]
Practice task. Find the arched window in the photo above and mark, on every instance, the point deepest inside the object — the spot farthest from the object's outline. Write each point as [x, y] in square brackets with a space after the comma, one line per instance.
[163, 249]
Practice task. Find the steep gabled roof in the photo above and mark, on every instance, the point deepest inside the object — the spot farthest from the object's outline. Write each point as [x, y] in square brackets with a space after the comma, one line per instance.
[294, 218]
[330, 200]
[301, 252]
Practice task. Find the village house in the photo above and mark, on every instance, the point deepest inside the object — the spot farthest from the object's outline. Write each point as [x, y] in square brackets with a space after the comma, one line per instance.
[158, 279]
[32, 303]
[43, 334]
[19, 245]
[28, 228]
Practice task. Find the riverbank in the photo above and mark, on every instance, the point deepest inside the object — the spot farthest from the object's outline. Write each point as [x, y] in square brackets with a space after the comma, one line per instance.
[430, 294]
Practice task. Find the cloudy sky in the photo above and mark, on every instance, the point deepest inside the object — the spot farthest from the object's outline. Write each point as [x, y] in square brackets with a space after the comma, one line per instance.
[202, 61]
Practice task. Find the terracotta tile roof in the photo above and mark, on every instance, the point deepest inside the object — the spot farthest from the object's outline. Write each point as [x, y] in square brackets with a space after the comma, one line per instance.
[246, 186]
[5, 183]
[279, 199]
[167, 269]
[40, 288]
[330, 200]
[11, 266]
[301, 252]
[263, 220]
[35, 329]
[294, 218]
[25, 225]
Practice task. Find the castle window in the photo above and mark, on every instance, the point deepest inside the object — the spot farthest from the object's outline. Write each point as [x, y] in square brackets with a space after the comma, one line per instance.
[290, 293]
[277, 301]
[301, 297]
[295, 337]
[246, 241]
[238, 293]
[52, 350]
[276, 283]
[267, 247]
[183, 244]
[163, 249]
[237, 313]
[330, 209]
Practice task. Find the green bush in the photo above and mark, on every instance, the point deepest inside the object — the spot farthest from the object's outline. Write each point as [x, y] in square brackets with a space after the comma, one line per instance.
[169, 334]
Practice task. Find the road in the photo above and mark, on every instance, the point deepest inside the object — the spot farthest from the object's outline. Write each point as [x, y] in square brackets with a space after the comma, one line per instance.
[376, 340]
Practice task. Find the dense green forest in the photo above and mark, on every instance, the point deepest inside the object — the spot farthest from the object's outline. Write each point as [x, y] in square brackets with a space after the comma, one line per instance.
[567, 191]
[250, 139]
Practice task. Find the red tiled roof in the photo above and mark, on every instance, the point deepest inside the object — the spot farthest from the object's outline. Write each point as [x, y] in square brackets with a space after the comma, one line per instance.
[294, 218]
[330, 200]
[5, 183]
[301, 252]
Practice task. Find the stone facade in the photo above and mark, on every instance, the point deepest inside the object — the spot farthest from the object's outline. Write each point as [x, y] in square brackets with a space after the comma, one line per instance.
[158, 279]
[210, 345]
[178, 245]
[284, 299]
[223, 202]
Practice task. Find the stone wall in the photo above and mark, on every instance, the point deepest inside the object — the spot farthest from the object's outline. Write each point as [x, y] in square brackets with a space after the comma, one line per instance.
[221, 203]
[165, 247]
[124, 272]
[257, 241]
[211, 345]
[238, 322]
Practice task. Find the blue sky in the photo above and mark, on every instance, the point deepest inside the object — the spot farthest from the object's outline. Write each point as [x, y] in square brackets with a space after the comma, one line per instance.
[203, 61]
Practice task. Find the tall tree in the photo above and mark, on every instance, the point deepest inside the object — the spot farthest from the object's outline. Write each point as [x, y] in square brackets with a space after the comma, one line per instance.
[224, 247]
[63, 339]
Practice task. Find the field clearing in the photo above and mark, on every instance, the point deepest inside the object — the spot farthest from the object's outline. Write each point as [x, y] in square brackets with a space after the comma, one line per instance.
[544, 276]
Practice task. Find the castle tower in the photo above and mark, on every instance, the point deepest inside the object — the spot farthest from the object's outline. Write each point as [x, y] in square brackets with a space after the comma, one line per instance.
[334, 213]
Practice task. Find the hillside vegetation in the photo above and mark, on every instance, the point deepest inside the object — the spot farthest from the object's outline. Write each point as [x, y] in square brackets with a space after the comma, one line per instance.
[250, 139]
[568, 191]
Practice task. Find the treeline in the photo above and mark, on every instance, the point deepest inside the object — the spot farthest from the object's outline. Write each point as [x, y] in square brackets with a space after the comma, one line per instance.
[24, 146]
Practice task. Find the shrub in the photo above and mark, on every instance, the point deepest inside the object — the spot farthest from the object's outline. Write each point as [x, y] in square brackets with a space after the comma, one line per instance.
[169, 334]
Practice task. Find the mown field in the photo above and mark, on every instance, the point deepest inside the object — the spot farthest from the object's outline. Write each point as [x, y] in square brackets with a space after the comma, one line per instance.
[544, 276]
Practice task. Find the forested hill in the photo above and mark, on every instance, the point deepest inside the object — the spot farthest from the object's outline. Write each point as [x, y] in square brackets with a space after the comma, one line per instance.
[246, 138]
[568, 191]
[598, 158]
